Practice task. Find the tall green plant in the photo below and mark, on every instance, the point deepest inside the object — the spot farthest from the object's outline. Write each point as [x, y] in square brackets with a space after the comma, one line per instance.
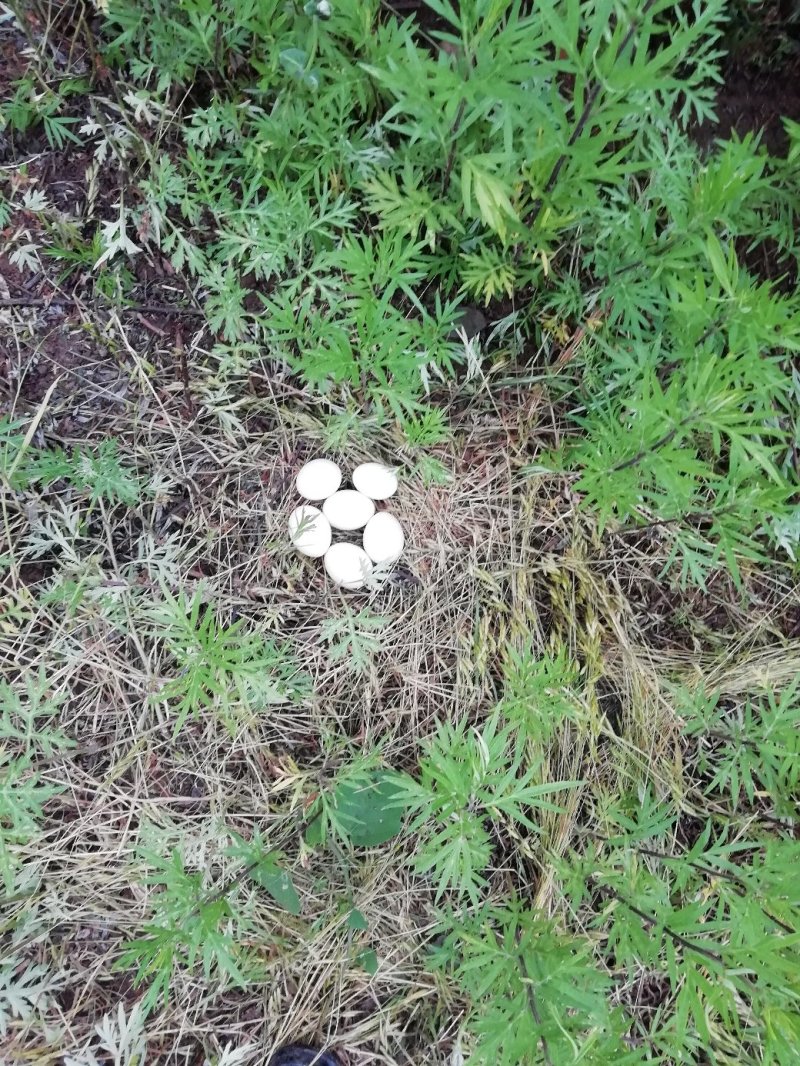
[468, 157]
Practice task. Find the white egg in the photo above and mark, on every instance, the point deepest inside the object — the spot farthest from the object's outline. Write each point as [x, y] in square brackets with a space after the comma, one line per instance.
[383, 538]
[348, 565]
[375, 480]
[319, 479]
[348, 509]
[310, 531]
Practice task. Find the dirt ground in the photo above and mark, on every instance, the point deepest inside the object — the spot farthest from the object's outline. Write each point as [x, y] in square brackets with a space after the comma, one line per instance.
[760, 76]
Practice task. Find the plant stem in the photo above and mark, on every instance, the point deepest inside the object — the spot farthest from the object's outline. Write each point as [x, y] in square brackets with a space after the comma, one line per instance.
[530, 991]
[452, 152]
[739, 884]
[651, 919]
[588, 107]
[660, 443]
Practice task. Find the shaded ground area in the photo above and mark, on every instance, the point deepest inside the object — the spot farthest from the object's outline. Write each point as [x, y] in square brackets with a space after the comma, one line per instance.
[760, 75]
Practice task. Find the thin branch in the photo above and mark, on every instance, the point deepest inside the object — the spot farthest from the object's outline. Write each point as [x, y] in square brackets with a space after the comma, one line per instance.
[660, 443]
[153, 309]
[651, 919]
[740, 886]
[534, 1009]
[452, 152]
[163, 309]
[25, 301]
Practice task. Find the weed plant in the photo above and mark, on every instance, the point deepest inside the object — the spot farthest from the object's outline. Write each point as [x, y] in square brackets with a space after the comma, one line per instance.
[334, 185]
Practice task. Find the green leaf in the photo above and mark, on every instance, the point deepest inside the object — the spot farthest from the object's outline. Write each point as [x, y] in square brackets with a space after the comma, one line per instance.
[314, 834]
[356, 920]
[368, 960]
[278, 883]
[719, 262]
[491, 196]
[263, 865]
[294, 61]
[367, 809]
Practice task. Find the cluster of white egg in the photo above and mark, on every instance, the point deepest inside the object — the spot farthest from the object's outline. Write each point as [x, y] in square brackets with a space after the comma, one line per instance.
[311, 529]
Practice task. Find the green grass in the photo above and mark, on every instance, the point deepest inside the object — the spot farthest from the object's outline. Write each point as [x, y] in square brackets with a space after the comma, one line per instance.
[531, 799]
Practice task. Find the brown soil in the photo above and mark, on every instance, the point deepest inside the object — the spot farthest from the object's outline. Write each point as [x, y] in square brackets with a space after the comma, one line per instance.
[761, 75]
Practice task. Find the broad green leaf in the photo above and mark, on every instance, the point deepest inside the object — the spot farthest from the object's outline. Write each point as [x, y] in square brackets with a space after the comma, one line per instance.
[367, 809]
[278, 883]
[368, 960]
[294, 61]
[356, 920]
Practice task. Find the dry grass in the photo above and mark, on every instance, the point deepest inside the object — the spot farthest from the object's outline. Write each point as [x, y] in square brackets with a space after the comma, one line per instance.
[494, 559]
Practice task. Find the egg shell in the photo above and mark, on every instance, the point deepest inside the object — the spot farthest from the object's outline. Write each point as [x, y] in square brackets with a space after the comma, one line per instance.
[310, 531]
[375, 480]
[319, 479]
[348, 509]
[383, 538]
[348, 565]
